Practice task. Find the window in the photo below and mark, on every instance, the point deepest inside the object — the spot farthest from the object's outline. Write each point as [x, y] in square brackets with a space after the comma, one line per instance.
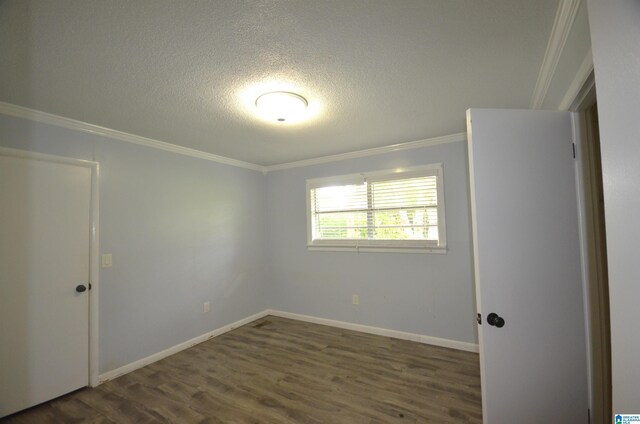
[387, 210]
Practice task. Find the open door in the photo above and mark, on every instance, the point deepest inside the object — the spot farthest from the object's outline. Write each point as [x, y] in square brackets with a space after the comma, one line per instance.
[527, 266]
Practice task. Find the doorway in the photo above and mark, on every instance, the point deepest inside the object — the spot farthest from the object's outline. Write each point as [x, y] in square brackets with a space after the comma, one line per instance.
[594, 252]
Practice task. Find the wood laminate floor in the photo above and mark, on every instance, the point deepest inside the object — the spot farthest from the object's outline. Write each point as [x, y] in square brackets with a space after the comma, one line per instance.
[276, 370]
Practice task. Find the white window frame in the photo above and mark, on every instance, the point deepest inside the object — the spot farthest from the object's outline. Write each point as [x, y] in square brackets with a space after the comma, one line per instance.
[410, 246]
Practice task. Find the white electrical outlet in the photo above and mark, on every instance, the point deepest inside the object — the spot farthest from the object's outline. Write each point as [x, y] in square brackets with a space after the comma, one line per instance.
[355, 299]
[206, 307]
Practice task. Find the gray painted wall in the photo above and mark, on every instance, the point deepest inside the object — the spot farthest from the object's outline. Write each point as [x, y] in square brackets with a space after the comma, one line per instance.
[181, 230]
[428, 294]
[615, 34]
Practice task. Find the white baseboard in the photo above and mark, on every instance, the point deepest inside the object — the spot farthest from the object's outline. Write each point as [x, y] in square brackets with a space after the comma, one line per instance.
[436, 341]
[453, 344]
[110, 375]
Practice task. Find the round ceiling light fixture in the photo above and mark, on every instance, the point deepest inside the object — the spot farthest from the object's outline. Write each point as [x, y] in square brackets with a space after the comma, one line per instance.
[282, 106]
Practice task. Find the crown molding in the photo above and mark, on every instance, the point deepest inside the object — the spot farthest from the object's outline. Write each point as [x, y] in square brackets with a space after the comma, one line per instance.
[60, 121]
[582, 75]
[565, 16]
[453, 138]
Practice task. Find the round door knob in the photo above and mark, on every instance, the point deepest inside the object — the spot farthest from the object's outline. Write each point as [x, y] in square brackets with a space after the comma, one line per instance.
[495, 320]
[81, 288]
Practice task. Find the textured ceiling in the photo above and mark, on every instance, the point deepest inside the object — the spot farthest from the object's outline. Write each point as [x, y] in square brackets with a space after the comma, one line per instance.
[187, 72]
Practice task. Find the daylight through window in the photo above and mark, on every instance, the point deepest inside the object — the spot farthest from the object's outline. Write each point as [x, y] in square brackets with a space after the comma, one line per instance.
[389, 209]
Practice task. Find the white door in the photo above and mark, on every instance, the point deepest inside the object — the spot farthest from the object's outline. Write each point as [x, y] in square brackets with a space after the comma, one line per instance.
[44, 256]
[527, 266]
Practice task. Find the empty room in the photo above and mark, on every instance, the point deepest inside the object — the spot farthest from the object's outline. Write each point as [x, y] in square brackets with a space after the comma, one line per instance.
[319, 211]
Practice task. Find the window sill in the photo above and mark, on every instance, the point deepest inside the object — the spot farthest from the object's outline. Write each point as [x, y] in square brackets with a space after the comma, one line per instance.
[376, 249]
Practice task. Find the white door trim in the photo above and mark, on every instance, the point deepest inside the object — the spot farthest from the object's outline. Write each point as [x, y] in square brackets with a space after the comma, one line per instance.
[581, 101]
[582, 231]
[93, 247]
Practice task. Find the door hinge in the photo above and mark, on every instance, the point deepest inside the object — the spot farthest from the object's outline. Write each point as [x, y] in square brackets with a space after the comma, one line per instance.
[479, 319]
[573, 146]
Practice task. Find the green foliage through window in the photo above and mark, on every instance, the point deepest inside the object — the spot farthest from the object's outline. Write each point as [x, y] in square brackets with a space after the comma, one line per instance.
[390, 209]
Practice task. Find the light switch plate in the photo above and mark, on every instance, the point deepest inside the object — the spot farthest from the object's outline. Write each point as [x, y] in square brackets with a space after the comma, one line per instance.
[107, 260]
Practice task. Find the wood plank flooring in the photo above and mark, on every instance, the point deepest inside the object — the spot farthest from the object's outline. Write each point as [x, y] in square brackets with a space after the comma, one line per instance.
[276, 370]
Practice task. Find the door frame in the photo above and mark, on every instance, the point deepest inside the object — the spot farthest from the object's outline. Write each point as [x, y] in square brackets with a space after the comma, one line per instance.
[94, 263]
[584, 98]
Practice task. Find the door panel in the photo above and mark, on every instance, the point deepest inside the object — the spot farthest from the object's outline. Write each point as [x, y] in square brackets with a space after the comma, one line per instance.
[527, 266]
[44, 255]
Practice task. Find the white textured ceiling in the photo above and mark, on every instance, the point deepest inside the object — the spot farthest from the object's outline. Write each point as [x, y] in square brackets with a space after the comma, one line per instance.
[186, 72]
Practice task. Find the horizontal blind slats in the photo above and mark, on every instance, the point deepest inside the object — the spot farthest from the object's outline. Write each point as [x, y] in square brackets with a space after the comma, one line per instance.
[390, 209]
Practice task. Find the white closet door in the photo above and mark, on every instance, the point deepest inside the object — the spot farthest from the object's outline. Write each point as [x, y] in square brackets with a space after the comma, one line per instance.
[44, 256]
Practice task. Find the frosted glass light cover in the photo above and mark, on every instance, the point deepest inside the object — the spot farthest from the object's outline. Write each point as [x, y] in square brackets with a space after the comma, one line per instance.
[282, 106]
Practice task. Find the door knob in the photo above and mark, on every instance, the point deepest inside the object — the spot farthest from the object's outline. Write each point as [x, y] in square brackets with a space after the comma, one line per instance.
[495, 320]
[81, 288]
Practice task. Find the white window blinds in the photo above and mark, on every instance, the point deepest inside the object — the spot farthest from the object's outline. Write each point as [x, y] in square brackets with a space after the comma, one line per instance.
[385, 209]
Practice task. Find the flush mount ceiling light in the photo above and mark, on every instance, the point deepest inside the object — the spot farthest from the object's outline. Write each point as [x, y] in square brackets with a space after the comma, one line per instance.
[282, 106]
